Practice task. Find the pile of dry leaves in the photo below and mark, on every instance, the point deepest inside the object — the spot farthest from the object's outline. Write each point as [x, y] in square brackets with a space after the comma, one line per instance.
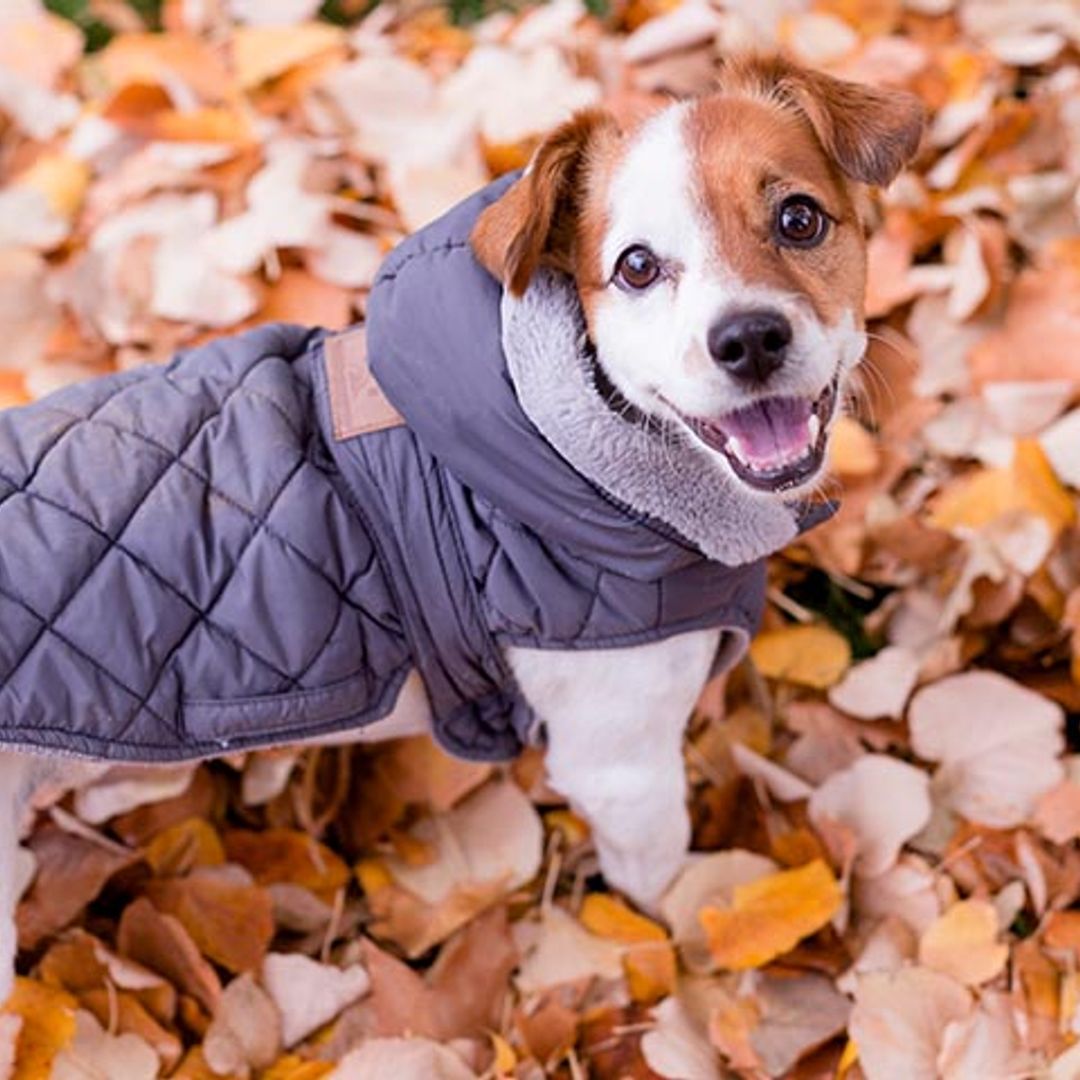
[885, 799]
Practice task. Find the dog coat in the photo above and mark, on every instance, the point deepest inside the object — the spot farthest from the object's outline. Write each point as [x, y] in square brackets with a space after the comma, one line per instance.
[255, 543]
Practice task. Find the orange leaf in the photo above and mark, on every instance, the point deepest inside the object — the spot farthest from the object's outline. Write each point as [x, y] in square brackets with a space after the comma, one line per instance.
[48, 1025]
[183, 846]
[1029, 484]
[287, 855]
[770, 916]
[608, 917]
[651, 971]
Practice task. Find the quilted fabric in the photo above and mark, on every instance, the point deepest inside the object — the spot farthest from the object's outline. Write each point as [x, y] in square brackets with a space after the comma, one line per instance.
[178, 571]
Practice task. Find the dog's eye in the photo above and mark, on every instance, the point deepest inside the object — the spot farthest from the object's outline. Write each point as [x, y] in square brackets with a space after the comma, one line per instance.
[637, 268]
[801, 222]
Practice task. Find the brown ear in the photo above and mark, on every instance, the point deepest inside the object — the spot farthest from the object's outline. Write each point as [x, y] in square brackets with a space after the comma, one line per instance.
[534, 221]
[871, 133]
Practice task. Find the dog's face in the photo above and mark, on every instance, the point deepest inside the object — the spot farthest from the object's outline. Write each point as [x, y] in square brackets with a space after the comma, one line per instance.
[718, 250]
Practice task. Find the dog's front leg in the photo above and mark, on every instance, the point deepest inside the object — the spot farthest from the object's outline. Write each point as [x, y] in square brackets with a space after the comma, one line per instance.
[15, 790]
[615, 721]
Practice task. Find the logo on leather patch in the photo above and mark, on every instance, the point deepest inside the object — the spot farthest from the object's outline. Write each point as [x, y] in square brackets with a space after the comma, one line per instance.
[357, 404]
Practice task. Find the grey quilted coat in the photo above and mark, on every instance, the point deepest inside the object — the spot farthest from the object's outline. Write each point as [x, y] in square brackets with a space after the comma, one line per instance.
[191, 562]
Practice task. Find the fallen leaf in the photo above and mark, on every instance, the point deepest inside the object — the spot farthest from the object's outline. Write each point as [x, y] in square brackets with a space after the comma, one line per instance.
[814, 656]
[879, 686]
[798, 1014]
[71, 873]
[245, 1032]
[228, 917]
[885, 802]
[770, 916]
[986, 1043]
[182, 847]
[309, 994]
[482, 849]
[125, 787]
[563, 951]
[997, 743]
[94, 1054]
[962, 943]
[163, 945]
[276, 856]
[48, 1026]
[707, 880]
[408, 1059]
[264, 52]
[899, 1022]
[675, 1048]
[1057, 814]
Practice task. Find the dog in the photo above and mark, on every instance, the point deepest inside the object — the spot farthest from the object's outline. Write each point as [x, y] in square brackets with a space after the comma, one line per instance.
[665, 312]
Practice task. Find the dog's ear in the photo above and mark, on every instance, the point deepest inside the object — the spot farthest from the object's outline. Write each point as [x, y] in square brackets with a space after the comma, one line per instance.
[871, 133]
[533, 222]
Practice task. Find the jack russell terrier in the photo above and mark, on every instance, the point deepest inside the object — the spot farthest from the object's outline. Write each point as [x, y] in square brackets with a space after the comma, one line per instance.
[530, 499]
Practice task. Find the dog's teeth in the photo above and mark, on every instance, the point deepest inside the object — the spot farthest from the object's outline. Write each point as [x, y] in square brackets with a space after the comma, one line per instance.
[814, 428]
[734, 444]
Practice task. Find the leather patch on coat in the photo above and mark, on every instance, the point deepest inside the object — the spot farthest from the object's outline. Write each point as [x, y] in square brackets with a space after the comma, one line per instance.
[357, 404]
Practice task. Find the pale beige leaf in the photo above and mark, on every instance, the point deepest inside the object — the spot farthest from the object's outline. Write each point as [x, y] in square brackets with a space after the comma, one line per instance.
[797, 1014]
[560, 950]
[985, 1044]
[962, 943]
[494, 835]
[899, 1022]
[997, 743]
[907, 891]
[245, 1033]
[676, 1048]
[885, 802]
[125, 787]
[309, 994]
[403, 1059]
[96, 1055]
[879, 686]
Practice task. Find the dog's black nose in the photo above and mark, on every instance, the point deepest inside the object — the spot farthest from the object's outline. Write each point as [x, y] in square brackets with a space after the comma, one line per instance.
[750, 345]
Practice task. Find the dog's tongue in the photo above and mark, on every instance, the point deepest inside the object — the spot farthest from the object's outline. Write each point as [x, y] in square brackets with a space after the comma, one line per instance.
[769, 433]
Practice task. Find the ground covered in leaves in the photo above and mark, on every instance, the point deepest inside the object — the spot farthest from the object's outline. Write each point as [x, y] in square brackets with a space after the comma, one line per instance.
[886, 796]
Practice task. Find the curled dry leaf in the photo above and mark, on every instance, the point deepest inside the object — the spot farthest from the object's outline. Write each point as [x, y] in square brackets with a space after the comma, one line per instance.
[997, 743]
[963, 943]
[884, 801]
[125, 787]
[770, 916]
[309, 994]
[899, 1022]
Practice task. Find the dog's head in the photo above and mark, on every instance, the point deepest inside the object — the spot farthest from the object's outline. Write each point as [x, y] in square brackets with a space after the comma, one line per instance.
[718, 249]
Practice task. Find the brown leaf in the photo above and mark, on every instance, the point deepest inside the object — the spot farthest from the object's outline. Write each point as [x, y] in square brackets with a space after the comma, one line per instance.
[287, 855]
[72, 871]
[230, 920]
[162, 944]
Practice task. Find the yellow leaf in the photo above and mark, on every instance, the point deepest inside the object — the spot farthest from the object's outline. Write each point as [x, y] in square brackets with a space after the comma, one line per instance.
[608, 917]
[48, 1017]
[853, 451]
[13, 389]
[962, 943]
[771, 915]
[575, 829]
[651, 971]
[183, 846]
[505, 1059]
[847, 1059]
[372, 875]
[294, 1067]
[62, 179]
[1028, 484]
[263, 52]
[814, 656]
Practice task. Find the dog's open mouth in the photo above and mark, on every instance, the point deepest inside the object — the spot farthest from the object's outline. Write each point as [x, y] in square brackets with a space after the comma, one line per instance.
[773, 444]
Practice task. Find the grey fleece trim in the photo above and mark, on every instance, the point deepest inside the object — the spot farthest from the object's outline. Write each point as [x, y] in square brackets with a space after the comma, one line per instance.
[670, 478]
